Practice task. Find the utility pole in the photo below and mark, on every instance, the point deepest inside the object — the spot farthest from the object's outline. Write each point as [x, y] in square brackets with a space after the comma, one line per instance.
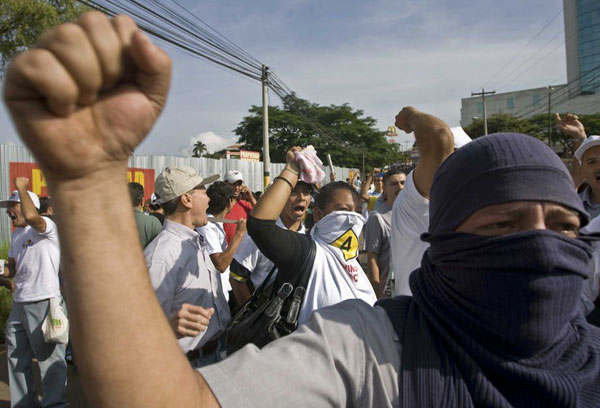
[549, 115]
[483, 93]
[265, 101]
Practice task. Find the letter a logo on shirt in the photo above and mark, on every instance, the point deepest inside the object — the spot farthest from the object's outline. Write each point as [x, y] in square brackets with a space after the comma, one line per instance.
[348, 244]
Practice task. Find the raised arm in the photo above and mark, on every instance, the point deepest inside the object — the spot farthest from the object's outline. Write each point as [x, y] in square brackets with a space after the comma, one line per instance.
[273, 200]
[572, 127]
[222, 260]
[364, 187]
[30, 213]
[434, 140]
[82, 100]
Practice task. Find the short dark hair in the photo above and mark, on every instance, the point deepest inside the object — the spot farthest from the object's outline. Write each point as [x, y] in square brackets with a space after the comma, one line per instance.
[219, 193]
[391, 173]
[44, 204]
[171, 206]
[136, 192]
[328, 190]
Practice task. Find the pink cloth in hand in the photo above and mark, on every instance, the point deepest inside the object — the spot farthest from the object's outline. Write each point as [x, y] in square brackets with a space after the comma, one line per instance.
[311, 167]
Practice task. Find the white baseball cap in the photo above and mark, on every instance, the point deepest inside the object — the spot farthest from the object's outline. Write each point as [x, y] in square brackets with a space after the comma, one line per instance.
[174, 181]
[585, 146]
[233, 176]
[14, 198]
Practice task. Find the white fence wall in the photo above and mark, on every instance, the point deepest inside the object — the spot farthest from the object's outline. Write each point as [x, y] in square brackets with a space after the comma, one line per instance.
[253, 172]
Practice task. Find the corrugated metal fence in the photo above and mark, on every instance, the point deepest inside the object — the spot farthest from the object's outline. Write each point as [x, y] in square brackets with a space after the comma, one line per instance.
[253, 172]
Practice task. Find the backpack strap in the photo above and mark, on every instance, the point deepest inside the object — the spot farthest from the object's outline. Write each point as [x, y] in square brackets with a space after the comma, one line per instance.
[397, 309]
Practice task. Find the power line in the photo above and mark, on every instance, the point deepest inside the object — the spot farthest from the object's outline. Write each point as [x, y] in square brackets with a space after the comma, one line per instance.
[527, 44]
[527, 60]
[198, 39]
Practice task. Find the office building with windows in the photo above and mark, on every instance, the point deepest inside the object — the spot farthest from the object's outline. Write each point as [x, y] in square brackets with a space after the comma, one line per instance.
[582, 92]
[582, 43]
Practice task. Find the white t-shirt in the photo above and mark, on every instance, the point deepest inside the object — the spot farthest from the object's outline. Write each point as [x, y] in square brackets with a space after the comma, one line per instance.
[250, 257]
[37, 256]
[213, 239]
[410, 219]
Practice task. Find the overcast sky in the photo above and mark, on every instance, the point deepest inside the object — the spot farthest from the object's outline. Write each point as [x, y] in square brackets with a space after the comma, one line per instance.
[378, 56]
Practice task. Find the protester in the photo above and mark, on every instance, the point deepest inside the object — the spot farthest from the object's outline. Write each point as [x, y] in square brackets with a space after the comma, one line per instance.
[244, 202]
[250, 267]
[335, 273]
[586, 163]
[374, 202]
[504, 331]
[148, 227]
[46, 209]
[187, 286]
[377, 236]
[410, 214]
[33, 261]
[213, 235]
[155, 209]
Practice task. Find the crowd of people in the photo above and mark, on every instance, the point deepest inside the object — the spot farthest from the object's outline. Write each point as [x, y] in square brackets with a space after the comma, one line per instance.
[464, 283]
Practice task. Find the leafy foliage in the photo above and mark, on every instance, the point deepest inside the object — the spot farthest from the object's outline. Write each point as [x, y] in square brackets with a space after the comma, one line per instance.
[199, 149]
[23, 21]
[338, 130]
[536, 126]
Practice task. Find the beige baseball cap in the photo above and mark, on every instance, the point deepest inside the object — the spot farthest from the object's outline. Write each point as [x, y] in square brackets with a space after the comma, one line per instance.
[174, 181]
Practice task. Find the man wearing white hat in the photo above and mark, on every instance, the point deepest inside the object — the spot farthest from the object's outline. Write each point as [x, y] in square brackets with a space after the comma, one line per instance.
[187, 285]
[588, 156]
[244, 202]
[33, 261]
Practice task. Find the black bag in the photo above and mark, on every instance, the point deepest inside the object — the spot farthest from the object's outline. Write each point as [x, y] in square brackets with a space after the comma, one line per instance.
[267, 316]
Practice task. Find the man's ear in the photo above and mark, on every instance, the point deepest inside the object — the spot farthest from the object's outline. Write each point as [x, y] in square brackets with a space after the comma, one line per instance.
[317, 214]
[186, 201]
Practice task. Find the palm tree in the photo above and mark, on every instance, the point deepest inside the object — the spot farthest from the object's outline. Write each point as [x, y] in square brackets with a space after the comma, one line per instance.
[199, 149]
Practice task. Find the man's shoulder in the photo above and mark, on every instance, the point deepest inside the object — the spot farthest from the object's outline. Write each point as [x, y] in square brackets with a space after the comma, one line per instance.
[165, 247]
[371, 325]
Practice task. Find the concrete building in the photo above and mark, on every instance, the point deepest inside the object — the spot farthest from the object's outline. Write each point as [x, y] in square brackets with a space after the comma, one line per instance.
[580, 95]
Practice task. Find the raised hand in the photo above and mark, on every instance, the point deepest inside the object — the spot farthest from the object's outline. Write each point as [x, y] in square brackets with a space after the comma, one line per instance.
[404, 118]
[87, 94]
[570, 126]
[22, 183]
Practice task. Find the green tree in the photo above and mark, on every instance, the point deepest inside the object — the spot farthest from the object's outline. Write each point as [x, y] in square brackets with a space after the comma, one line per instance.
[199, 149]
[23, 21]
[338, 130]
[536, 126]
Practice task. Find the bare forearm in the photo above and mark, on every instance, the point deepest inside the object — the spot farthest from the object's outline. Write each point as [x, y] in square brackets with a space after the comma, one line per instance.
[118, 327]
[373, 274]
[364, 189]
[30, 213]
[435, 142]
[223, 259]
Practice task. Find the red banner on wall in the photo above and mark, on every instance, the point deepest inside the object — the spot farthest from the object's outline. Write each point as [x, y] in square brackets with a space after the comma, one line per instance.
[38, 185]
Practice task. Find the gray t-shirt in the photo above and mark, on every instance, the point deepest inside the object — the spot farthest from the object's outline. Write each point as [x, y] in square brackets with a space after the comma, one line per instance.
[346, 355]
[377, 240]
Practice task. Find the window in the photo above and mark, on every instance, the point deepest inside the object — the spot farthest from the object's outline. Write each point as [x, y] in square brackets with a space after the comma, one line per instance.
[510, 102]
[536, 99]
[479, 107]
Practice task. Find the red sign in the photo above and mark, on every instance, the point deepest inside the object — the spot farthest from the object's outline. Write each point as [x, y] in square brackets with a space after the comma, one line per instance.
[38, 183]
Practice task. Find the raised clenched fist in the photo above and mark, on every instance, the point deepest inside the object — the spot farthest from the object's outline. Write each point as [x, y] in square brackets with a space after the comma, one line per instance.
[87, 94]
